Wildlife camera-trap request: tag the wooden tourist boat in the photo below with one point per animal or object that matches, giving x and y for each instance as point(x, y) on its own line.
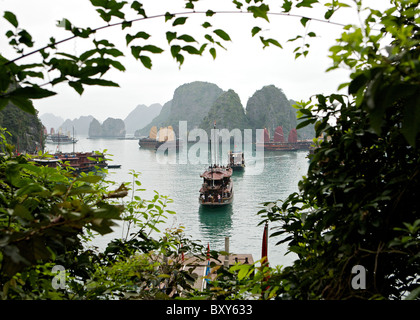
point(217, 187)
point(236, 160)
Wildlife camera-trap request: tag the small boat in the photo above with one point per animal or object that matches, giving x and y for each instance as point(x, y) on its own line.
point(217, 187)
point(236, 160)
point(113, 166)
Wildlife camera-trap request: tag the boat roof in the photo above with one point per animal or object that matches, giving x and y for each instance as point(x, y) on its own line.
point(217, 173)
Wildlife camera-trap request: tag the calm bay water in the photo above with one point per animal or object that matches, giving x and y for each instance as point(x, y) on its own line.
point(181, 182)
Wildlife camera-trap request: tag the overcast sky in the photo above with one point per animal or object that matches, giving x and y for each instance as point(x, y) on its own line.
point(245, 67)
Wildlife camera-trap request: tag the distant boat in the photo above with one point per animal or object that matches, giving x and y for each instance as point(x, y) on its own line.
point(58, 138)
point(217, 187)
point(150, 141)
point(156, 139)
point(278, 143)
point(236, 160)
point(80, 161)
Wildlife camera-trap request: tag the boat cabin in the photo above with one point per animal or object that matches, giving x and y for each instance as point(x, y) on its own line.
point(217, 187)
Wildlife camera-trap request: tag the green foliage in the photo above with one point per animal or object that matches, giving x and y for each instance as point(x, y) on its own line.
point(48, 217)
point(357, 203)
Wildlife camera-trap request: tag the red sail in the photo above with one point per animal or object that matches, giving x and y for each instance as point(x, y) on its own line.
point(266, 135)
point(292, 136)
point(278, 134)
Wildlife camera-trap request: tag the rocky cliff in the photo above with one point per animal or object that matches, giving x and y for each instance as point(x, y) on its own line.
point(192, 102)
point(228, 113)
point(26, 129)
point(80, 125)
point(141, 116)
point(111, 128)
point(269, 108)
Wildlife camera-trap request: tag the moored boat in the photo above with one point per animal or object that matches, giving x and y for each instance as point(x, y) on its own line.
point(80, 161)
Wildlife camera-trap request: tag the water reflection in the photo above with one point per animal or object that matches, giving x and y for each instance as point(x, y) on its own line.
point(215, 223)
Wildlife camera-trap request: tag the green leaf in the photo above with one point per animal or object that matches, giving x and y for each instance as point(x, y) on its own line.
point(287, 5)
point(11, 17)
point(357, 83)
point(99, 3)
point(210, 13)
point(191, 50)
point(141, 35)
point(116, 64)
point(267, 42)
point(255, 30)
point(139, 8)
point(304, 21)
point(328, 14)
point(23, 104)
point(152, 49)
point(260, 11)
point(206, 25)
point(34, 92)
point(209, 38)
point(186, 38)
point(146, 61)
point(238, 4)
point(175, 50)
point(222, 34)
point(126, 24)
point(306, 3)
point(179, 21)
point(99, 82)
point(170, 36)
point(76, 86)
point(135, 51)
point(169, 16)
point(213, 52)
point(25, 38)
